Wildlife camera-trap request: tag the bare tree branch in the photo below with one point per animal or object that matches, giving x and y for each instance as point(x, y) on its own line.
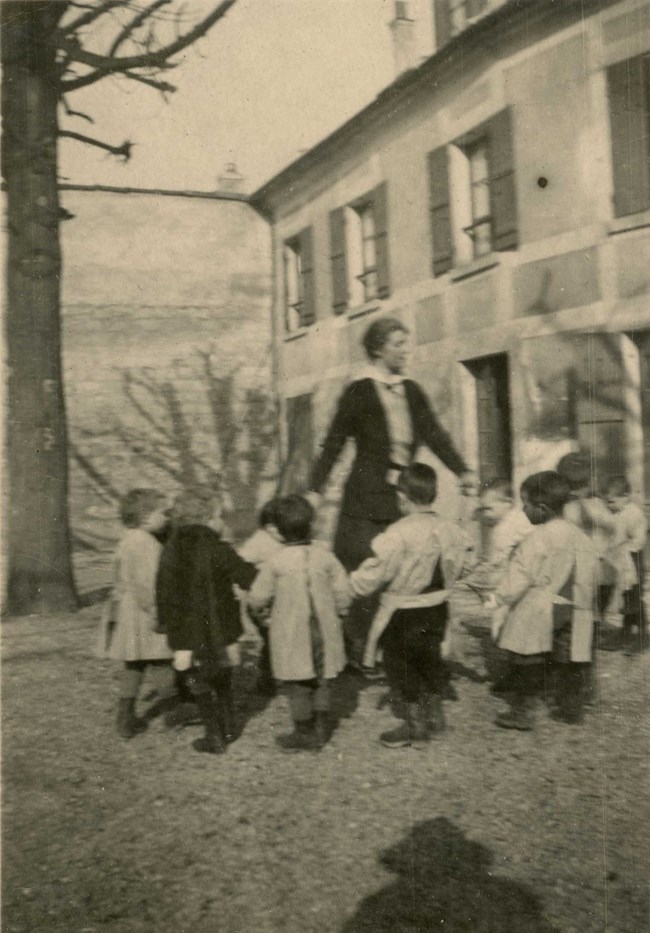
point(123, 151)
point(75, 113)
point(93, 13)
point(163, 86)
point(106, 64)
point(137, 20)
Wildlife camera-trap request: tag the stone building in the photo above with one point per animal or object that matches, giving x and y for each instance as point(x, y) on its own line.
point(495, 197)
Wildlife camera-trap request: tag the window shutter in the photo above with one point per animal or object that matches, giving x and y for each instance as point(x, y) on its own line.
point(308, 311)
point(380, 211)
point(440, 213)
point(442, 22)
point(503, 197)
point(339, 265)
point(629, 113)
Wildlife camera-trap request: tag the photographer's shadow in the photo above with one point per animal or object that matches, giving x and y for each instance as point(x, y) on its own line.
point(444, 883)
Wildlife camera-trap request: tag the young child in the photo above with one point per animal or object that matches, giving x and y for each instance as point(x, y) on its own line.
point(509, 524)
point(415, 562)
point(257, 549)
point(198, 611)
point(547, 590)
point(129, 621)
point(630, 536)
point(307, 589)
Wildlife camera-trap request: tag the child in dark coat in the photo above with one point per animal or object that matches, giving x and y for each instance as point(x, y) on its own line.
point(198, 610)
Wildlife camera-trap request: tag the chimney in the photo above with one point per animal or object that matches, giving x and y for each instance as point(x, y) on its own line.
point(404, 39)
point(230, 179)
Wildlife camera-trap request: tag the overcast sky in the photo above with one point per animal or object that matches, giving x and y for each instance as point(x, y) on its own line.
point(270, 80)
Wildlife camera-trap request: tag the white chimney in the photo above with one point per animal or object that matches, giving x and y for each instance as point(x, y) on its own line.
point(405, 45)
point(230, 179)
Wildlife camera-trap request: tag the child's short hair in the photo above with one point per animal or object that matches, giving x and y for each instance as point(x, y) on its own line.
point(293, 518)
point(547, 490)
point(195, 505)
point(577, 469)
point(137, 504)
point(419, 483)
point(618, 485)
point(267, 512)
point(498, 484)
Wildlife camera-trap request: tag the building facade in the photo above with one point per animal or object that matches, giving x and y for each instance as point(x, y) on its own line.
point(496, 198)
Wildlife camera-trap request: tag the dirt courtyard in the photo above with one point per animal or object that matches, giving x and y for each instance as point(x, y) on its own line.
point(484, 830)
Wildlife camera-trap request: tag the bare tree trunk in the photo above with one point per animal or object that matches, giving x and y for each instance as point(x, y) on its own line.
point(40, 571)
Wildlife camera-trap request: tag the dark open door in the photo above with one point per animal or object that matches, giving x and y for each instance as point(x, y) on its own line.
point(493, 416)
point(300, 444)
point(642, 340)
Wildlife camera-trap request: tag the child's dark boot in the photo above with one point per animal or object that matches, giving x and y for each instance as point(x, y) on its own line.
point(322, 727)
point(212, 742)
point(128, 724)
point(412, 732)
point(519, 715)
point(434, 714)
point(302, 739)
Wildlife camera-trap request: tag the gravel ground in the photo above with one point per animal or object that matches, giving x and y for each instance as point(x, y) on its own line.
point(483, 831)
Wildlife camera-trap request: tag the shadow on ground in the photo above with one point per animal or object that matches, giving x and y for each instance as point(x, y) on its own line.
point(444, 882)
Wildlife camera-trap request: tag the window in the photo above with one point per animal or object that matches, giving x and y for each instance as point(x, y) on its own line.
point(472, 195)
point(299, 304)
point(359, 251)
point(628, 85)
point(362, 253)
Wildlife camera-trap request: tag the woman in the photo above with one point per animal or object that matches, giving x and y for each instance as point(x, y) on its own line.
point(389, 418)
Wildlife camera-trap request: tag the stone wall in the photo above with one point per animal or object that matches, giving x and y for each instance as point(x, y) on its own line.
point(166, 346)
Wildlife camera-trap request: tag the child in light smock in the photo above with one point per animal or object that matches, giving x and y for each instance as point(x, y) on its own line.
point(129, 620)
point(544, 604)
point(630, 536)
point(415, 563)
point(307, 590)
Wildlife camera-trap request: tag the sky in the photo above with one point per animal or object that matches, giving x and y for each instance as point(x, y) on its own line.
point(270, 80)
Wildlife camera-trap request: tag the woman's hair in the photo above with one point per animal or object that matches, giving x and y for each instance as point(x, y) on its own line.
point(547, 491)
point(293, 518)
point(378, 333)
point(195, 505)
point(137, 504)
point(618, 485)
point(419, 483)
point(267, 512)
point(577, 469)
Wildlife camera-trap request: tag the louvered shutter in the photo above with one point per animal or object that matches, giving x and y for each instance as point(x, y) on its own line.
point(440, 212)
point(308, 310)
point(503, 197)
point(339, 265)
point(380, 211)
point(442, 22)
point(629, 114)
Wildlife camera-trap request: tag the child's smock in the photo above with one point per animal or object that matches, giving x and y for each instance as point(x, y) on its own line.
point(404, 559)
point(298, 580)
point(130, 615)
point(550, 557)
